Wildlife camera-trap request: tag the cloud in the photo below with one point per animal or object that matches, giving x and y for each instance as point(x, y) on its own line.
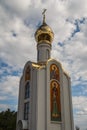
point(9, 89)
point(10, 86)
point(77, 8)
point(80, 111)
point(15, 5)
point(23, 43)
point(77, 101)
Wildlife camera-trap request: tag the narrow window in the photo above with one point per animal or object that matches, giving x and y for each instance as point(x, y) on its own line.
point(26, 110)
point(38, 55)
point(27, 90)
point(48, 55)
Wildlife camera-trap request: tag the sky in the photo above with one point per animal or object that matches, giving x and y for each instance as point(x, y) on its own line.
point(19, 20)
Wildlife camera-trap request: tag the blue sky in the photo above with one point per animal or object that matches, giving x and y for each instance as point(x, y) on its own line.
point(19, 20)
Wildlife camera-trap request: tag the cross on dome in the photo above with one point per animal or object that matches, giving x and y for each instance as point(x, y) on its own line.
point(43, 13)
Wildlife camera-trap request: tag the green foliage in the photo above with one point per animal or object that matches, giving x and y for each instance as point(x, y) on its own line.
point(77, 128)
point(8, 120)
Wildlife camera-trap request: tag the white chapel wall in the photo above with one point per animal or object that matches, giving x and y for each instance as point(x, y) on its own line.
point(41, 99)
point(50, 124)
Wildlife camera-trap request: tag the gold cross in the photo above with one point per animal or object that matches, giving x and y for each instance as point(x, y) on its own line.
point(44, 10)
point(43, 13)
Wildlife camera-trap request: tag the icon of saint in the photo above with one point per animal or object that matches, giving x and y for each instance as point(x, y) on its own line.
point(54, 74)
point(55, 101)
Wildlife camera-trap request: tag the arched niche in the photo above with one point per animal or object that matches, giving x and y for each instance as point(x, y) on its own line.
point(27, 73)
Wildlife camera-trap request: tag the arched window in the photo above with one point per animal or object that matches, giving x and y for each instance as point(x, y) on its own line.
point(27, 74)
point(26, 110)
point(27, 90)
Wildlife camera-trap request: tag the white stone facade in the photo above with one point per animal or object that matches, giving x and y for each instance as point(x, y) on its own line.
point(39, 106)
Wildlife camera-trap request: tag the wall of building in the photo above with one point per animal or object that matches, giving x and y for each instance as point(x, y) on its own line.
point(41, 99)
point(20, 113)
point(43, 51)
point(66, 122)
point(51, 125)
point(33, 100)
point(40, 110)
point(67, 103)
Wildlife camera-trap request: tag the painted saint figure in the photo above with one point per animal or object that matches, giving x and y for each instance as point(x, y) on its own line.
point(54, 72)
point(55, 106)
point(55, 102)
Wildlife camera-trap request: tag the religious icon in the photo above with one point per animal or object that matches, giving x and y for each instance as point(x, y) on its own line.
point(54, 72)
point(55, 102)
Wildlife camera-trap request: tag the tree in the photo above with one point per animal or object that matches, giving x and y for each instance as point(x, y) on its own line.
point(77, 128)
point(8, 120)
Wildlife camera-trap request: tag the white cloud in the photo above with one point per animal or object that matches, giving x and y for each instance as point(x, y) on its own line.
point(77, 8)
point(15, 5)
point(16, 50)
point(80, 116)
point(77, 101)
point(9, 86)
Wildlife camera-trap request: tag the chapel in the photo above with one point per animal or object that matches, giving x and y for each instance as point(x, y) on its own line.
point(45, 101)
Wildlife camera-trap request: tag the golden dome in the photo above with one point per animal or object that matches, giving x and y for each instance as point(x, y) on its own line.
point(44, 33)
